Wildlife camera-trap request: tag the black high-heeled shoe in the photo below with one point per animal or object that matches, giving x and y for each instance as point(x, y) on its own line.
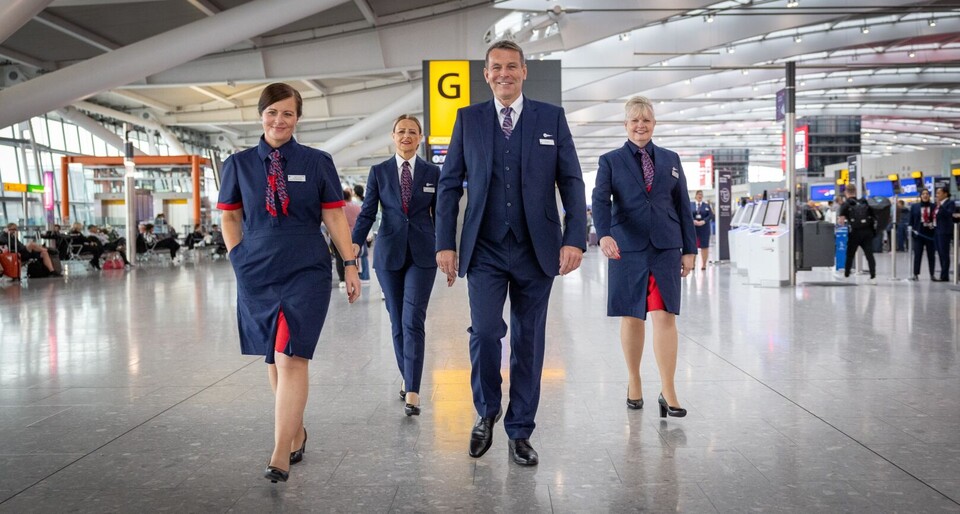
point(666, 410)
point(403, 394)
point(633, 404)
point(411, 409)
point(297, 456)
point(276, 474)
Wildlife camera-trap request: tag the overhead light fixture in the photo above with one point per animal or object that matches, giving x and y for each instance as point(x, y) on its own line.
point(803, 83)
point(865, 29)
point(937, 129)
point(625, 36)
point(912, 54)
point(731, 50)
point(849, 79)
point(745, 72)
point(708, 18)
point(932, 22)
point(797, 38)
point(924, 140)
point(756, 88)
point(686, 81)
point(793, 3)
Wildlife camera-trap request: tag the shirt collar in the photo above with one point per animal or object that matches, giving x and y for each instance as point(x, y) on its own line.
point(400, 161)
point(634, 148)
point(288, 150)
point(517, 106)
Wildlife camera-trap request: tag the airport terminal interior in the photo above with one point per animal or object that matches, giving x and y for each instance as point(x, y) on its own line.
point(122, 385)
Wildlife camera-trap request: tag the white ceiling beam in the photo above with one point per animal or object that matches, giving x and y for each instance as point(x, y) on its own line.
point(94, 127)
point(145, 100)
point(77, 32)
point(145, 120)
point(315, 86)
point(367, 12)
point(204, 6)
point(216, 95)
point(15, 14)
point(160, 52)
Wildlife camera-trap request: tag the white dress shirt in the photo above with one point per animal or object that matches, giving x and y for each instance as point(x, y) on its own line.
point(400, 161)
point(517, 106)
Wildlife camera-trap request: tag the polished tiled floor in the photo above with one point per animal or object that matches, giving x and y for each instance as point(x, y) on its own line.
point(126, 392)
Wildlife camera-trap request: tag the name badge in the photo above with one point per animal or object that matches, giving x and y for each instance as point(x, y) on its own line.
point(547, 142)
point(429, 189)
point(297, 178)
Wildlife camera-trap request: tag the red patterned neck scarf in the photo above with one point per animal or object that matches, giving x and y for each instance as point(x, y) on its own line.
point(276, 186)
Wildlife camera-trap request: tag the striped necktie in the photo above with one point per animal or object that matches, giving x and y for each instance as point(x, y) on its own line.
point(406, 186)
point(507, 121)
point(648, 170)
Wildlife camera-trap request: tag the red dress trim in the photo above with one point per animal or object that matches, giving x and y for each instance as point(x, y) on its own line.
point(283, 333)
point(654, 300)
point(229, 206)
point(333, 205)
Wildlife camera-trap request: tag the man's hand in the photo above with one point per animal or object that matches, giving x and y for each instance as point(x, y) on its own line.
point(686, 264)
point(608, 246)
point(570, 258)
point(447, 262)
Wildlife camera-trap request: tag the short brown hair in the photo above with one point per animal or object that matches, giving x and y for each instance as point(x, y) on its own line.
point(407, 117)
point(504, 44)
point(276, 92)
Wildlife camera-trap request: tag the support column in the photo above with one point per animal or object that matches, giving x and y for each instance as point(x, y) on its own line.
point(64, 190)
point(791, 128)
point(17, 13)
point(144, 58)
point(195, 174)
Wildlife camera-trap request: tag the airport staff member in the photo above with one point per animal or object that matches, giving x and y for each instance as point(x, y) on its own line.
point(921, 225)
point(404, 187)
point(702, 216)
point(647, 233)
point(274, 197)
point(943, 230)
point(516, 153)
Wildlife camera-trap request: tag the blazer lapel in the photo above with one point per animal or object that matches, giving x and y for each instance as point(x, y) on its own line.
point(392, 179)
point(630, 163)
point(528, 117)
point(419, 179)
point(662, 172)
point(488, 123)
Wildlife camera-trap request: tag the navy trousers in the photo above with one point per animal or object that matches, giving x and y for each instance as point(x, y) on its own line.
point(943, 243)
point(921, 243)
point(407, 293)
point(499, 269)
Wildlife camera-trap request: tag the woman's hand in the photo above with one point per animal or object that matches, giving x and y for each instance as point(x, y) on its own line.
point(351, 276)
point(609, 247)
point(686, 264)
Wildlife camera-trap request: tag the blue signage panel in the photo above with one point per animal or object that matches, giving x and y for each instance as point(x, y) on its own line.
point(823, 192)
point(841, 235)
point(908, 187)
point(880, 188)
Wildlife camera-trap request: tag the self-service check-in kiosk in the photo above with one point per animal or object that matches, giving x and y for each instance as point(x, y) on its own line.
point(769, 248)
point(739, 225)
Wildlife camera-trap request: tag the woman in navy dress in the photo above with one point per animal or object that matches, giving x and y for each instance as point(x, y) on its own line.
point(646, 231)
point(274, 198)
point(404, 188)
point(702, 216)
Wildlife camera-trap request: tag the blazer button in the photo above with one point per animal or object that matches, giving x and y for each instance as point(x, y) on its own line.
point(509, 204)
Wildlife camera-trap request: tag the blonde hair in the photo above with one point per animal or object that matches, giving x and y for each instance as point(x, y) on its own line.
point(638, 104)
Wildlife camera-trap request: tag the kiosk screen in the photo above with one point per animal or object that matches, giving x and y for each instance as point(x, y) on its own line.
point(771, 218)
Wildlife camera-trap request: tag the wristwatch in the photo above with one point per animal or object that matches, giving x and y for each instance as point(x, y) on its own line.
point(351, 262)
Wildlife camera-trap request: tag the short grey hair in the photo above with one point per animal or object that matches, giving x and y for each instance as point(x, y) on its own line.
point(638, 103)
point(505, 44)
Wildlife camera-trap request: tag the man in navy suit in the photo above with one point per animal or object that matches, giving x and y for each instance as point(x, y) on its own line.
point(515, 153)
point(921, 225)
point(943, 230)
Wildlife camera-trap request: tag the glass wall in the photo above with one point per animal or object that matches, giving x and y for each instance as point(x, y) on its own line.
point(27, 150)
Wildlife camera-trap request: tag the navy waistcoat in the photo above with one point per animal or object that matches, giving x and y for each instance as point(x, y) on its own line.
point(503, 211)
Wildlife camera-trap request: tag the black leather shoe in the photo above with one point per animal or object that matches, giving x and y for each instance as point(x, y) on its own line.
point(403, 395)
point(411, 409)
point(665, 410)
point(482, 436)
point(275, 474)
point(633, 404)
point(297, 456)
point(522, 453)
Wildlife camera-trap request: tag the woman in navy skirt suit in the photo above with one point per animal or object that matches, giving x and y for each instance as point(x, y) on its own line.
point(641, 210)
point(274, 198)
point(404, 188)
point(702, 215)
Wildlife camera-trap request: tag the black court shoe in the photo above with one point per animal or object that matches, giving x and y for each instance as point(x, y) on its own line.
point(633, 404)
point(665, 410)
point(297, 456)
point(403, 394)
point(276, 474)
point(411, 409)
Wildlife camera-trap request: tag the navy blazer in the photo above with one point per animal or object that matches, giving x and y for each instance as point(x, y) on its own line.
point(549, 164)
point(399, 230)
point(945, 219)
point(916, 218)
point(636, 219)
point(705, 212)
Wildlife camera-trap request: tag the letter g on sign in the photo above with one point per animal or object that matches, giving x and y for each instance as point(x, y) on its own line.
point(454, 89)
